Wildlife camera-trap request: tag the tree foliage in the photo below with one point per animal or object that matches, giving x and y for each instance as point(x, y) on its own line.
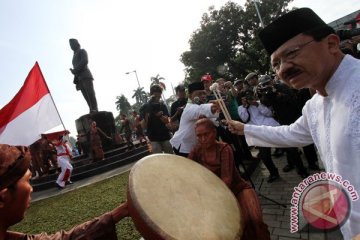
point(136, 107)
point(226, 44)
point(158, 80)
point(140, 95)
point(122, 104)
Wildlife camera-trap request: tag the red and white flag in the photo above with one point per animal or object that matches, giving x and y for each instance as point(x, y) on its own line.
point(30, 113)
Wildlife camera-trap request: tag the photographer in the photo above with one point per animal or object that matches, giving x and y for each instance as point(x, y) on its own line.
point(229, 94)
point(350, 39)
point(155, 117)
point(283, 101)
point(255, 113)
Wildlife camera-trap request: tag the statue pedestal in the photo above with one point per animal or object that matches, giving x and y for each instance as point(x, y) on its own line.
point(104, 120)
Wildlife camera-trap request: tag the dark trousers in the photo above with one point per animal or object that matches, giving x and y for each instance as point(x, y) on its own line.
point(293, 158)
point(265, 156)
point(310, 154)
point(245, 147)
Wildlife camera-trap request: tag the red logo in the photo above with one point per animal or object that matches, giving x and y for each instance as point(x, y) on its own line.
point(325, 206)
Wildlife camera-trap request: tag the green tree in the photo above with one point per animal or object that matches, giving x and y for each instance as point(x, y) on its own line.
point(136, 107)
point(117, 123)
point(158, 80)
point(140, 95)
point(122, 104)
point(226, 44)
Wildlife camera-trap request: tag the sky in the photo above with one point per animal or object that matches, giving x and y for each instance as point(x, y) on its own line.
point(119, 36)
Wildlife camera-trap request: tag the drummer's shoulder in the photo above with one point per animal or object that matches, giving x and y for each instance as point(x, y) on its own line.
point(224, 146)
point(195, 150)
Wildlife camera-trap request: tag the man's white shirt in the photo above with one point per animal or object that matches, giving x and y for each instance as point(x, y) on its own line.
point(333, 124)
point(257, 115)
point(184, 138)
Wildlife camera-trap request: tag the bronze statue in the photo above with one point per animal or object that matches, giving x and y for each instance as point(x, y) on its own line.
point(82, 75)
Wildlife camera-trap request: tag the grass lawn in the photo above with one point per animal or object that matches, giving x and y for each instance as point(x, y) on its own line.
point(69, 209)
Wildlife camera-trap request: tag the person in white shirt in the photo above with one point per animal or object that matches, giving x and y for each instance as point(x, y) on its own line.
point(184, 138)
point(305, 53)
point(255, 113)
point(64, 156)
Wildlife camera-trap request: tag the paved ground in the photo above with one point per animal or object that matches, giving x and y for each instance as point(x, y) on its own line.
point(276, 216)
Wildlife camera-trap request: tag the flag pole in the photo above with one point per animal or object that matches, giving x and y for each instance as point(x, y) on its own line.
point(52, 99)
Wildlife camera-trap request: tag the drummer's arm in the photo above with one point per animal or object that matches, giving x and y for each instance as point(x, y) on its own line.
point(227, 161)
point(120, 212)
point(193, 154)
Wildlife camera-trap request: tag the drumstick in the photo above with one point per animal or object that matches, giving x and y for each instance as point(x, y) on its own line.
point(220, 101)
point(223, 106)
point(214, 88)
point(226, 109)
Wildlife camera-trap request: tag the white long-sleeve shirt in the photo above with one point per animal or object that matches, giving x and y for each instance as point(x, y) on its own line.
point(333, 124)
point(184, 138)
point(259, 115)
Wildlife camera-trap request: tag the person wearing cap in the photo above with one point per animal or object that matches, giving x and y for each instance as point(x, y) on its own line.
point(252, 79)
point(253, 112)
point(15, 197)
point(184, 138)
point(83, 78)
point(305, 53)
point(239, 90)
point(208, 81)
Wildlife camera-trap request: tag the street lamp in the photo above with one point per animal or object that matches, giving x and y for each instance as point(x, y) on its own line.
point(137, 79)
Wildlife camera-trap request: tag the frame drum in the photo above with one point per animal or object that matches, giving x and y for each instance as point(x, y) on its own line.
point(172, 197)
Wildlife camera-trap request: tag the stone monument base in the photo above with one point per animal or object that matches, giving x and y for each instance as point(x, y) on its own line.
point(104, 120)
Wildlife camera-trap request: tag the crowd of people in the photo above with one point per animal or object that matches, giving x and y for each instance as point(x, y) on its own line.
point(312, 99)
point(253, 100)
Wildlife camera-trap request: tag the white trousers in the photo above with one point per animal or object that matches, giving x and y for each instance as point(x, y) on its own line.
point(66, 170)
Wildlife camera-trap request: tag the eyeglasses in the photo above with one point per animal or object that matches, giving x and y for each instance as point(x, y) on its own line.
point(289, 54)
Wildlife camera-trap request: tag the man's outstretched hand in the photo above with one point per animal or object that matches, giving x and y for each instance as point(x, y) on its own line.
point(235, 127)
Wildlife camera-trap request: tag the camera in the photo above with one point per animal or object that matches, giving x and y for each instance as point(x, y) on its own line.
point(267, 94)
point(350, 39)
point(154, 105)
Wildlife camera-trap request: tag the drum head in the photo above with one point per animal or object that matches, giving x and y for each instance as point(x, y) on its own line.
point(172, 197)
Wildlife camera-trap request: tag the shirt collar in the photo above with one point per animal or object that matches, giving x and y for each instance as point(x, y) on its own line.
point(338, 76)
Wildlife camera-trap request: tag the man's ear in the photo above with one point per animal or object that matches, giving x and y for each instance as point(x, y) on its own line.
point(333, 42)
point(4, 197)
